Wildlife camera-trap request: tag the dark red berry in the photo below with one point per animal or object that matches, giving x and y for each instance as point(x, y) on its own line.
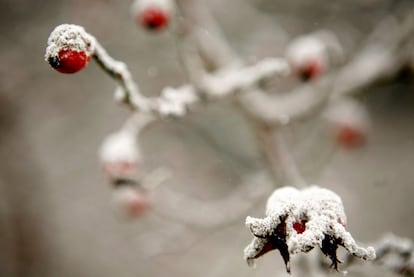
point(312, 70)
point(69, 61)
point(299, 226)
point(350, 136)
point(153, 18)
point(138, 204)
point(120, 168)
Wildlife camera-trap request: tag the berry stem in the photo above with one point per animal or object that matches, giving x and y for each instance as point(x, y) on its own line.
point(129, 92)
point(277, 156)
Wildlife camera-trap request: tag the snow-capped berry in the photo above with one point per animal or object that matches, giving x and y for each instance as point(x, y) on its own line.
point(313, 54)
point(130, 202)
point(120, 168)
point(153, 14)
point(349, 136)
point(349, 123)
point(69, 48)
point(69, 61)
point(308, 57)
point(311, 70)
point(120, 155)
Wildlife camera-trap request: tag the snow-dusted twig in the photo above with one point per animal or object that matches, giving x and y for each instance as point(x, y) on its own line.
point(393, 253)
point(172, 102)
point(281, 109)
point(221, 58)
point(396, 253)
point(207, 36)
point(198, 213)
point(379, 59)
point(128, 92)
point(283, 168)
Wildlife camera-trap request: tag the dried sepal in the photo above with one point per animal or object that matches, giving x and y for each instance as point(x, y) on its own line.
point(300, 220)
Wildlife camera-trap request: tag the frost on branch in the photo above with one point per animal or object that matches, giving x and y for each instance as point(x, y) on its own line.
point(300, 220)
point(396, 253)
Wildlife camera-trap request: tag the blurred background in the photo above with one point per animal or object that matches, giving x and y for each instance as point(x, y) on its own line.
point(56, 218)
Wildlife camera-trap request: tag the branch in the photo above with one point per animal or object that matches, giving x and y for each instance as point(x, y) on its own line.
point(393, 253)
point(209, 214)
point(378, 60)
point(172, 101)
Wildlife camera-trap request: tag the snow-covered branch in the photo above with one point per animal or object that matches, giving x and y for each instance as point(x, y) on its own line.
point(394, 253)
point(172, 101)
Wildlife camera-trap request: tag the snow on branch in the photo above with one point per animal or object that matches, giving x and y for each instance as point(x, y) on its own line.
point(393, 253)
point(379, 59)
point(396, 253)
point(172, 102)
point(198, 213)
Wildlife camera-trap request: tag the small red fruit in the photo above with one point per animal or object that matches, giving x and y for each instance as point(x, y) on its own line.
point(153, 18)
point(138, 205)
point(350, 136)
point(312, 70)
point(300, 226)
point(120, 168)
point(131, 202)
point(69, 61)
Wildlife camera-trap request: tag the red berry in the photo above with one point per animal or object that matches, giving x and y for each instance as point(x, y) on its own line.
point(69, 61)
point(312, 70)
point(350, 136)
point(120, 168)
point(138, 205)
point(153, 18)
point(300, 226)
point(131, 202)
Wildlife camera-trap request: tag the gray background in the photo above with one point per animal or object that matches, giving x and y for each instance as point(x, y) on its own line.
point(55, 212)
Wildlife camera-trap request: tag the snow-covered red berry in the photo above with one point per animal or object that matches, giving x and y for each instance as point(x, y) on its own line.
point(153, 18)
point(310, 56)
point(69, 61)
point(69, 48)
point(153, 15)
point(130, 202)
point(312, 69)
point(348, 123)
point(350, 136)
point(120, 155)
